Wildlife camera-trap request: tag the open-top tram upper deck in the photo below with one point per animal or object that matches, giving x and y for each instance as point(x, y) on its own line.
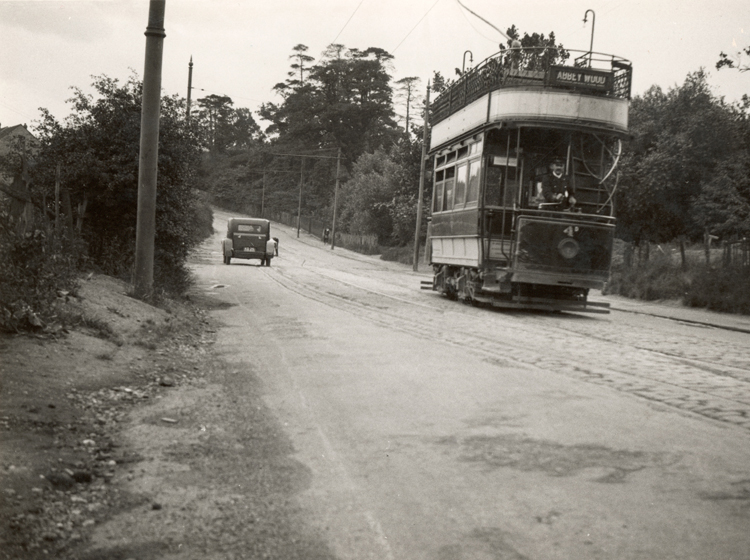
point(535, 85)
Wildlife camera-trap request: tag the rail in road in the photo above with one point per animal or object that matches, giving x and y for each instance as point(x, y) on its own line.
point(683, 371)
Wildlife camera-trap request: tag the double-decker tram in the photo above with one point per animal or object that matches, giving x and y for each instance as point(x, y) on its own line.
point(525, 150)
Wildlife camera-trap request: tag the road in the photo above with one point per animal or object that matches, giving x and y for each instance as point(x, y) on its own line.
point(436, 430)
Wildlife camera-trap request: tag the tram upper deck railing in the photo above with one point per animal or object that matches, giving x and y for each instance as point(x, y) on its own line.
point(590, 72)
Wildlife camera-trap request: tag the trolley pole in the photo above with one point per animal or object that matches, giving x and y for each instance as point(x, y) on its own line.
point(421, 178)
point(149, 151)
point(299, 206)
point(335, 200)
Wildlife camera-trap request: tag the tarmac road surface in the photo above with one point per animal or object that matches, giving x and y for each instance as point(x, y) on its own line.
point(436, 430)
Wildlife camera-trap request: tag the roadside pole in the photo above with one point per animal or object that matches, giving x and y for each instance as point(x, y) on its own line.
point(421, 179)
point(335, 200)
point(190, 89)
point(143, 278)
point(263, 197)
point(299, 207)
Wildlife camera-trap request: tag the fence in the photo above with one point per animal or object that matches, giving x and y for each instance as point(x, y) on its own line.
point(737, 253)
point(367, 244)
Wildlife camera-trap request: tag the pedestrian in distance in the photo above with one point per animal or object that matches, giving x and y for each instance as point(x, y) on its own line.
point(276, 248)
point(270, 252)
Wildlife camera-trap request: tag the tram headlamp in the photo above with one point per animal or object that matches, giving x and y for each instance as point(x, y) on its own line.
point(568, 248)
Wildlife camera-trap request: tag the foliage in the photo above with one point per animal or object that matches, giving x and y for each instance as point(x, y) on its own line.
point(403, 255)
point(686, 167)
point(97, 149)
point(35, 268)
point(369, 198)
point(381, 196)
point(346, 101)
point(222, 127)
point(726, 62)
point(723, 289)
point(407, 93)
point(655, 279)
point(536, 52)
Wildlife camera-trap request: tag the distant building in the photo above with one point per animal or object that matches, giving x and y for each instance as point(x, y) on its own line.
point(14, 186)
point(8, 135)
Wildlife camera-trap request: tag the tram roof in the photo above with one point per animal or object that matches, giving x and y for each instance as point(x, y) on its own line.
point(591, 74)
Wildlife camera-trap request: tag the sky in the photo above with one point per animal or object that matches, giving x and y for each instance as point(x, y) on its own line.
point(242, 48)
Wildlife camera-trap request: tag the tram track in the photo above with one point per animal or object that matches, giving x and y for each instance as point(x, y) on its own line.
point(713, 390)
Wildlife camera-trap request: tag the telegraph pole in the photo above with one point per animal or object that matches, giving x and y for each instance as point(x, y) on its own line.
point(299, 207)
point(421, 179)
point(335, 200)
point(190, 88)
point(143, 281)
point(263, 196)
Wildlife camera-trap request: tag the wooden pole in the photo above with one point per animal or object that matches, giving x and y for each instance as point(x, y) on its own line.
point(335, 200)
point(263, 197)
point(57, 198)
point(143, 277)
point(299, 206)
point(421, 179)
point(190, 88)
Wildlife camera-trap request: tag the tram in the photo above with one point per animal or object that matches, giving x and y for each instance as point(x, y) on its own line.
point(505, 136)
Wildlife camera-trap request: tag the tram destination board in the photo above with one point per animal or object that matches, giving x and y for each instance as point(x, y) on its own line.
point(581, 78)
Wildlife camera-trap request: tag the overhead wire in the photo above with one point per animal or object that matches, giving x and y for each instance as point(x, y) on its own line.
point(347, 21)
point(231, 97)
point(415, 26)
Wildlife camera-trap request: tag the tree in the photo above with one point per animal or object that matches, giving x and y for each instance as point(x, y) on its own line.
point(346, 101)
point(406, 92)
point(299, 66)
point(537, 52)
point(223, 127)
point(726, 62)
point(686, 167)
point(97, 148)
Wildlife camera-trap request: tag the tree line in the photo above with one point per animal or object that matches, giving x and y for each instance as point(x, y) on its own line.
point(685, 170)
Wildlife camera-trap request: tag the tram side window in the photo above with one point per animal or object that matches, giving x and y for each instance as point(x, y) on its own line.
point(460, 194)
point(450, 178)
point(472, 189)
point(493, 189)
point(438, 198)
point(501, 187)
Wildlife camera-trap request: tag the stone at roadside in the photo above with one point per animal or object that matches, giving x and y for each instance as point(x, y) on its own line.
point(60, 480)
point(82, 476)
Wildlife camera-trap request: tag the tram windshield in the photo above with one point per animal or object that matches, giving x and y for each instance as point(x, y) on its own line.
point(517, 160)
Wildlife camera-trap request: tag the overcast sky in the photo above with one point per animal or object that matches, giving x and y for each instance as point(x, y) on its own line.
point(241, 48)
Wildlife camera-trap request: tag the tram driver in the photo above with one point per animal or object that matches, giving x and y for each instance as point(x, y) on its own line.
point(555, 187)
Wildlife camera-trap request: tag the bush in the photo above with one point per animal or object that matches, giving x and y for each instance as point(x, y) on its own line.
point(34, 269)
point(656, 279)
point(404, 255)
point(723, 289)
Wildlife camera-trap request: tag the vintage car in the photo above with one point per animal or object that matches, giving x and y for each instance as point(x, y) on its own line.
point(247, 238)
